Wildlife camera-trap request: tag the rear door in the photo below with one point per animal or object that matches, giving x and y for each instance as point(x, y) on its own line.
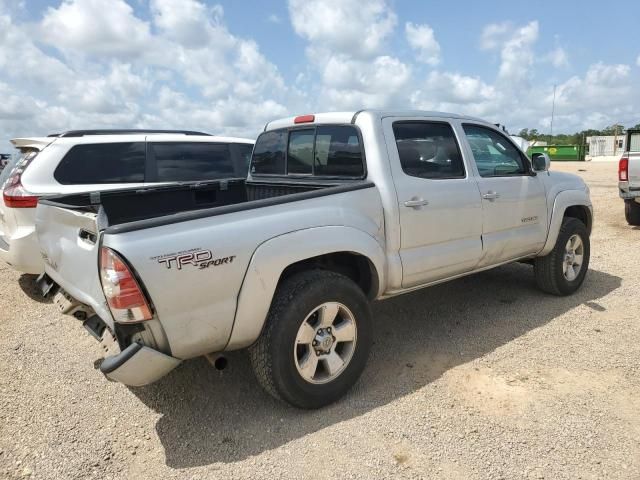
point(514, 207)
point(439, 202)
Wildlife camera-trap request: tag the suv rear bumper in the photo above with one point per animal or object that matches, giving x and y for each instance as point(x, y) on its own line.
point(21, 251)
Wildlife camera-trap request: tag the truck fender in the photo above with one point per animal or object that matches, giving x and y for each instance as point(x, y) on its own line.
point(564, 200)
point(272, 257)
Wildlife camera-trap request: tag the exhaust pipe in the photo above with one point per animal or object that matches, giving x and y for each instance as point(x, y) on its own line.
point(218, 360)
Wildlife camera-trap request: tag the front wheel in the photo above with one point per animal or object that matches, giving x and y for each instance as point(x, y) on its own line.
point(562, 271)
point(632, 212)
point(316, 339)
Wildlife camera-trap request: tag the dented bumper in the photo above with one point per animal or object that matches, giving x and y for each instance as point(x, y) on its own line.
point(138, 365)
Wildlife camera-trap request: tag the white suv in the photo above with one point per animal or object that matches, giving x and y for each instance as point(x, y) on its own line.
point(89, 160)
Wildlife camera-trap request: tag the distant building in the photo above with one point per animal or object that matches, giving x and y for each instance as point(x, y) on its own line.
point(606, 148)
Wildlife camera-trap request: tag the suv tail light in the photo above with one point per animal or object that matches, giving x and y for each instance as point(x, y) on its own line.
point(14, 193)
point(126, 299)
point(623, 168)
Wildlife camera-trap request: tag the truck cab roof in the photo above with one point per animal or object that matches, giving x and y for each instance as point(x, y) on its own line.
point(350, 117)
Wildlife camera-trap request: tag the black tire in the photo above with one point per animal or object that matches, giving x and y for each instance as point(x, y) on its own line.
point(632, 212)
point(272, 356)
point(549, 269)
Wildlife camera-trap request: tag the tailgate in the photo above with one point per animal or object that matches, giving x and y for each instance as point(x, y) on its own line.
point(69, 245)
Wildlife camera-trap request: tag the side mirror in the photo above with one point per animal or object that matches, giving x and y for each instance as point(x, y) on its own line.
point(540, 162)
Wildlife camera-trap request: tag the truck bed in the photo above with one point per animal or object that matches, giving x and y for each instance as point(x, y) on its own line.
point(176, 218)
point(137, 204)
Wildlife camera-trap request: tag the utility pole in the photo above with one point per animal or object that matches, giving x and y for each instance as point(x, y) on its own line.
point(553, 107)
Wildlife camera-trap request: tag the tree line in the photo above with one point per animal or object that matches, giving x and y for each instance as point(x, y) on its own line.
point(577, 138)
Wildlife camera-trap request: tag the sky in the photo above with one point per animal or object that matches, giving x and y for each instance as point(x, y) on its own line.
point(228, 67)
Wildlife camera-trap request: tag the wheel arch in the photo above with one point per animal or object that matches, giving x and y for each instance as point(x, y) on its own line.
point(570, 203)
point(341, 249)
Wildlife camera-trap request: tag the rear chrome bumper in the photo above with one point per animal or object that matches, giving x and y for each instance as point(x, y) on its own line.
point(138, 365)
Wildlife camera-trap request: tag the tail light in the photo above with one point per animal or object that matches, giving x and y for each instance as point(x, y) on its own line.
point(14, 193)
point(623, 168)
point(126, 299)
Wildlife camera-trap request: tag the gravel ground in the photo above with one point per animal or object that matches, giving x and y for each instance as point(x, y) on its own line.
point(483, 377)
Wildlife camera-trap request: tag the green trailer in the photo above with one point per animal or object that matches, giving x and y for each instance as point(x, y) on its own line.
point(560, 152)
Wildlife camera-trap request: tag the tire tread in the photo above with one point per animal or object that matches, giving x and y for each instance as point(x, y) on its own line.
point(545, 267)
point(260, 353)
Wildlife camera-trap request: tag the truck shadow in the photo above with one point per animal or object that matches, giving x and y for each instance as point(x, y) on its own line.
point(210, 416)
point(27, 283)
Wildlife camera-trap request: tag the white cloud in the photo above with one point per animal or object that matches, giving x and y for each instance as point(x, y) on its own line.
point(638, 61)
point(457, 88)
point(558, 57)
point(350, 84)
point(107, 67)
point(516, 49)
point(422, 39)
point(96, 27)
point(493, 35)
point(346, 27)
point(180, 66)
point(274, 18)
point(348, 51)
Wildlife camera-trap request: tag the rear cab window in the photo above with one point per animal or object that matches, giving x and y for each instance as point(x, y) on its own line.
point(330, 151)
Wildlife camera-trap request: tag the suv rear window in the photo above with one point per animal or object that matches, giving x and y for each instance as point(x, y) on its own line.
point(325, 150)
point(269, 152)
point(102, 163)
point(191, 161)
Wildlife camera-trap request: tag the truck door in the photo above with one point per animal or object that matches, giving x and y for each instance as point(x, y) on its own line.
point(439, 202)
point(514, 207)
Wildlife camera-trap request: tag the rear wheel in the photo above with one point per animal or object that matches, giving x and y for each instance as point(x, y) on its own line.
point(632, 212)
point(316, 340)
point(562, 271)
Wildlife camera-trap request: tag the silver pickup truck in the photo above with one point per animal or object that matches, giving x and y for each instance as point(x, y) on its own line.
point(629, 178)
point(339, 209)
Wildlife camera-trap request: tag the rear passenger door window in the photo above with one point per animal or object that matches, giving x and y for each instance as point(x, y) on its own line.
point(494, 154)
point(102, 163)
point(192, 161)
point(428, 150)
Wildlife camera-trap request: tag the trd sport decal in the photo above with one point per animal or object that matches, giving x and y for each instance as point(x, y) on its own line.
point(196, 257)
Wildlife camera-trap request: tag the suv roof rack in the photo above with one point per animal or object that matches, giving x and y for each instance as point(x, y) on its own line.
point(83, 133)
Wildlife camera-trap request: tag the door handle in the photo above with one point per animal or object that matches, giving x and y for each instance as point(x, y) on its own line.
point(490, 195)
point(416, 202)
